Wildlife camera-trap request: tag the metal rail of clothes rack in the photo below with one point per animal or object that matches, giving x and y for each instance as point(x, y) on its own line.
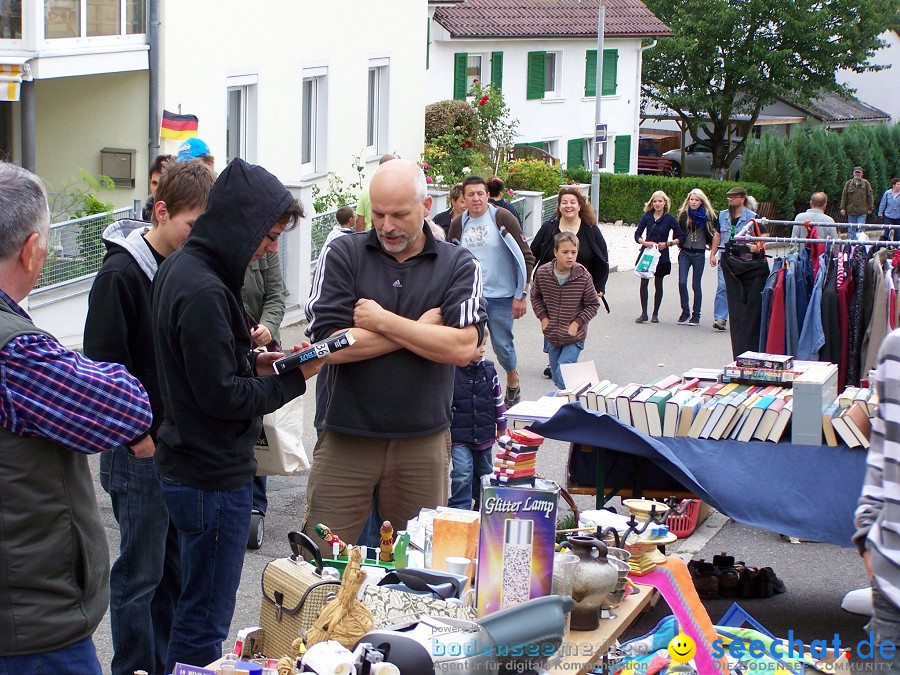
point(741, 236)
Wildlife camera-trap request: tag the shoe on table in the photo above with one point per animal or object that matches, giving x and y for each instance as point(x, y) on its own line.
point(683, 319)
point(695, 320)
point(654, 319)
point(641, 319)
point(513, 396)
point(719, 324)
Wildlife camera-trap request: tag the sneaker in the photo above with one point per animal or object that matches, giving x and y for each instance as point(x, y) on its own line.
point(641, 319)
point(654, 319)
point(719, 324)
point(513, 396)
point(695, 321)
point(683, 319)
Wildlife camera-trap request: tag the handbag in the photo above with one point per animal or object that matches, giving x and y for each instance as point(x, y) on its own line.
point(647, 261)
point(293, 595)
point(279, 450)
point(390, 607)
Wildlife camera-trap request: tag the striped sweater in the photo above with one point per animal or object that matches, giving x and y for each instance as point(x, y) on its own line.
point(878, 514)
point(576, 300)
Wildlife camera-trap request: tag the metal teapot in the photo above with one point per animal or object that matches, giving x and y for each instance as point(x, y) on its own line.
point(595, 578)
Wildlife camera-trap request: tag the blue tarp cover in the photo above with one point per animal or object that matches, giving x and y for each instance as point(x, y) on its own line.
point(803, 491)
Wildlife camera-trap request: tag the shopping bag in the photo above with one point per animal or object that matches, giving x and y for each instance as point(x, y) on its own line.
point(279, 450)
point(647, 262)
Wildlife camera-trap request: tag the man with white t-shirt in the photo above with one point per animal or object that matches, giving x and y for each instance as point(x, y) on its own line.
point(495, 238)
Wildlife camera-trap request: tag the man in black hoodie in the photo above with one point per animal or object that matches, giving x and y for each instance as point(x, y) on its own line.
point(145, 580)
point(215, 390)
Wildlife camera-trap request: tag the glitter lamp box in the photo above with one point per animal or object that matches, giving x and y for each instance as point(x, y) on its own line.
point(515, 544)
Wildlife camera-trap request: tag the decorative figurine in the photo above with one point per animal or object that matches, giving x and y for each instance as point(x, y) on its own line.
point(386, 553)
point(401, 552)
point(331, 538)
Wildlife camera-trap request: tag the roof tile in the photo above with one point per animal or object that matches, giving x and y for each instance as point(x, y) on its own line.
point(548, 18)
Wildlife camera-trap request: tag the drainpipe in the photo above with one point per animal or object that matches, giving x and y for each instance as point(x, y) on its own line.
point(29, 126)
point(153, 105)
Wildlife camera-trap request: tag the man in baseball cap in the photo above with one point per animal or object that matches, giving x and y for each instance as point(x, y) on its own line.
point(195, 148)
point(857, 200)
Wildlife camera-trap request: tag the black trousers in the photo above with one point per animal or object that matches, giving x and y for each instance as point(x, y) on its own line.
point(744, 282)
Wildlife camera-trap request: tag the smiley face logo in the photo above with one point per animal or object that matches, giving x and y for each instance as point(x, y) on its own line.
point(682, 648)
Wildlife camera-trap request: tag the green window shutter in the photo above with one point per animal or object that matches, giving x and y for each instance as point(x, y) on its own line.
point(535, 88)
point(610, 70)
point(460, 66)
point(590, 72)
point(497, 70)
point(575, 153)
point(622, 161)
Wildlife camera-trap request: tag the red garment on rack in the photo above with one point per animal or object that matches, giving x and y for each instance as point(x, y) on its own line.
point(815, 249)
point(845, 291)
point(775, 338)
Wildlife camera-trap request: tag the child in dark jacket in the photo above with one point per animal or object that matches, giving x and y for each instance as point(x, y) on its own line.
point(478, 420)
point(564, 299)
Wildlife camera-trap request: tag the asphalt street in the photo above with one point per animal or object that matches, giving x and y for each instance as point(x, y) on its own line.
point(816, 575)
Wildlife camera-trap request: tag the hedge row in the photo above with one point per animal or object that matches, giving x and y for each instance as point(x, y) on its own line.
point(622, 197)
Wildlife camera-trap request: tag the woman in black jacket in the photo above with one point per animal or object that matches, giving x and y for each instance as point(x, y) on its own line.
point(574, 214)
point(697, 220)
point(653, 231)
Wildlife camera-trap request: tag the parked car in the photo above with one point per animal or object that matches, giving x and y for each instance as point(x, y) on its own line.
point(698, 161)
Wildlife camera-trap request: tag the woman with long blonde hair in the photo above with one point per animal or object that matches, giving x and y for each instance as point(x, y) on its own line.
point(696, 219)
point(653, 231)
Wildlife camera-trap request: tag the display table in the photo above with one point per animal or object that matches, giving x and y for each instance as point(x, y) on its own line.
point(584, 650)
point(803, 491)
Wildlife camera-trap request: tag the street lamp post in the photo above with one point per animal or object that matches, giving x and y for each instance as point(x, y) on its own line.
point(600, 145)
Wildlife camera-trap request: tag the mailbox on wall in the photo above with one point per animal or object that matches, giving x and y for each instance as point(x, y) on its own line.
point(118, 164)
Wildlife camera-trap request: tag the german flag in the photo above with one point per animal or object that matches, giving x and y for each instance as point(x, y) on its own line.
point(178, 127)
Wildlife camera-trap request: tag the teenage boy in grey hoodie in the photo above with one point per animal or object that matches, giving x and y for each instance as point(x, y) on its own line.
point(145, 580)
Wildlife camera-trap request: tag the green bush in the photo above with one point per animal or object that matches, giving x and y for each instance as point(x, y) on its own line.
point(533, 174)
point(450, 117)
point(622, 196)
point(576, 174)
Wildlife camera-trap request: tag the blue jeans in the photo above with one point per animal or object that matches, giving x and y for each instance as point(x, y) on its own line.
point(560, 354)
point(686, 261)
point(77, 659)
point(213, 526)
point(858, 219)
point(500, 323)
point(885, 624)
point(720, 308)
point(145, 579)
point(260, 500)
point(465, 474)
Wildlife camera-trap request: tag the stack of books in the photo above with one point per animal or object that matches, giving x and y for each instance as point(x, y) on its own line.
point(516, 459)
point(848, 418)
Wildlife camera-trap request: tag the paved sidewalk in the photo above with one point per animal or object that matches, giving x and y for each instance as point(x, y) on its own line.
point(623, 249)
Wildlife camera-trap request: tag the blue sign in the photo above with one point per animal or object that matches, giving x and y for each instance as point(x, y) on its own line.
point(600, 136)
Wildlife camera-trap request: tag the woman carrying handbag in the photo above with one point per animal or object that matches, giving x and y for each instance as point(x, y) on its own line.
point(653, 231)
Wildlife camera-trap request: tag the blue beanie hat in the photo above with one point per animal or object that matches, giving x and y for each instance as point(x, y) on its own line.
point(192, 148)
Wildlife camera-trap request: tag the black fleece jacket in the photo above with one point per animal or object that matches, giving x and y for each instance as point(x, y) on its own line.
point(213, 400)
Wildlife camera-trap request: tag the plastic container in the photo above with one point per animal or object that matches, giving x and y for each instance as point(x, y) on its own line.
point(684, 525)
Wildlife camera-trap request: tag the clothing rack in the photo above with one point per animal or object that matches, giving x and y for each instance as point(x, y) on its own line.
point(769, 221)
point(803, 240)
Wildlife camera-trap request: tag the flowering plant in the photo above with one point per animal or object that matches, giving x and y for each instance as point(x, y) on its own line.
point(496, 125)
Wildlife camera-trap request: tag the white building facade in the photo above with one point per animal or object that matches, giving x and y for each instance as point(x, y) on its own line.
point(547, 71)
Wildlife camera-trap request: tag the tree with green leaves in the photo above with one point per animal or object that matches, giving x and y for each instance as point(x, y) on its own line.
point(733, 57)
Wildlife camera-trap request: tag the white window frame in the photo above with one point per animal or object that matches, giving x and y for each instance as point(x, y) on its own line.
point(556, 90)
point(470, 79)
point(551, 146)
point(317, 80)
point(82, 36)
point(246, 86)
point(377, 110)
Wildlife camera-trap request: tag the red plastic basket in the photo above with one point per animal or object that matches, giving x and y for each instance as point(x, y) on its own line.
point(684, 525)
